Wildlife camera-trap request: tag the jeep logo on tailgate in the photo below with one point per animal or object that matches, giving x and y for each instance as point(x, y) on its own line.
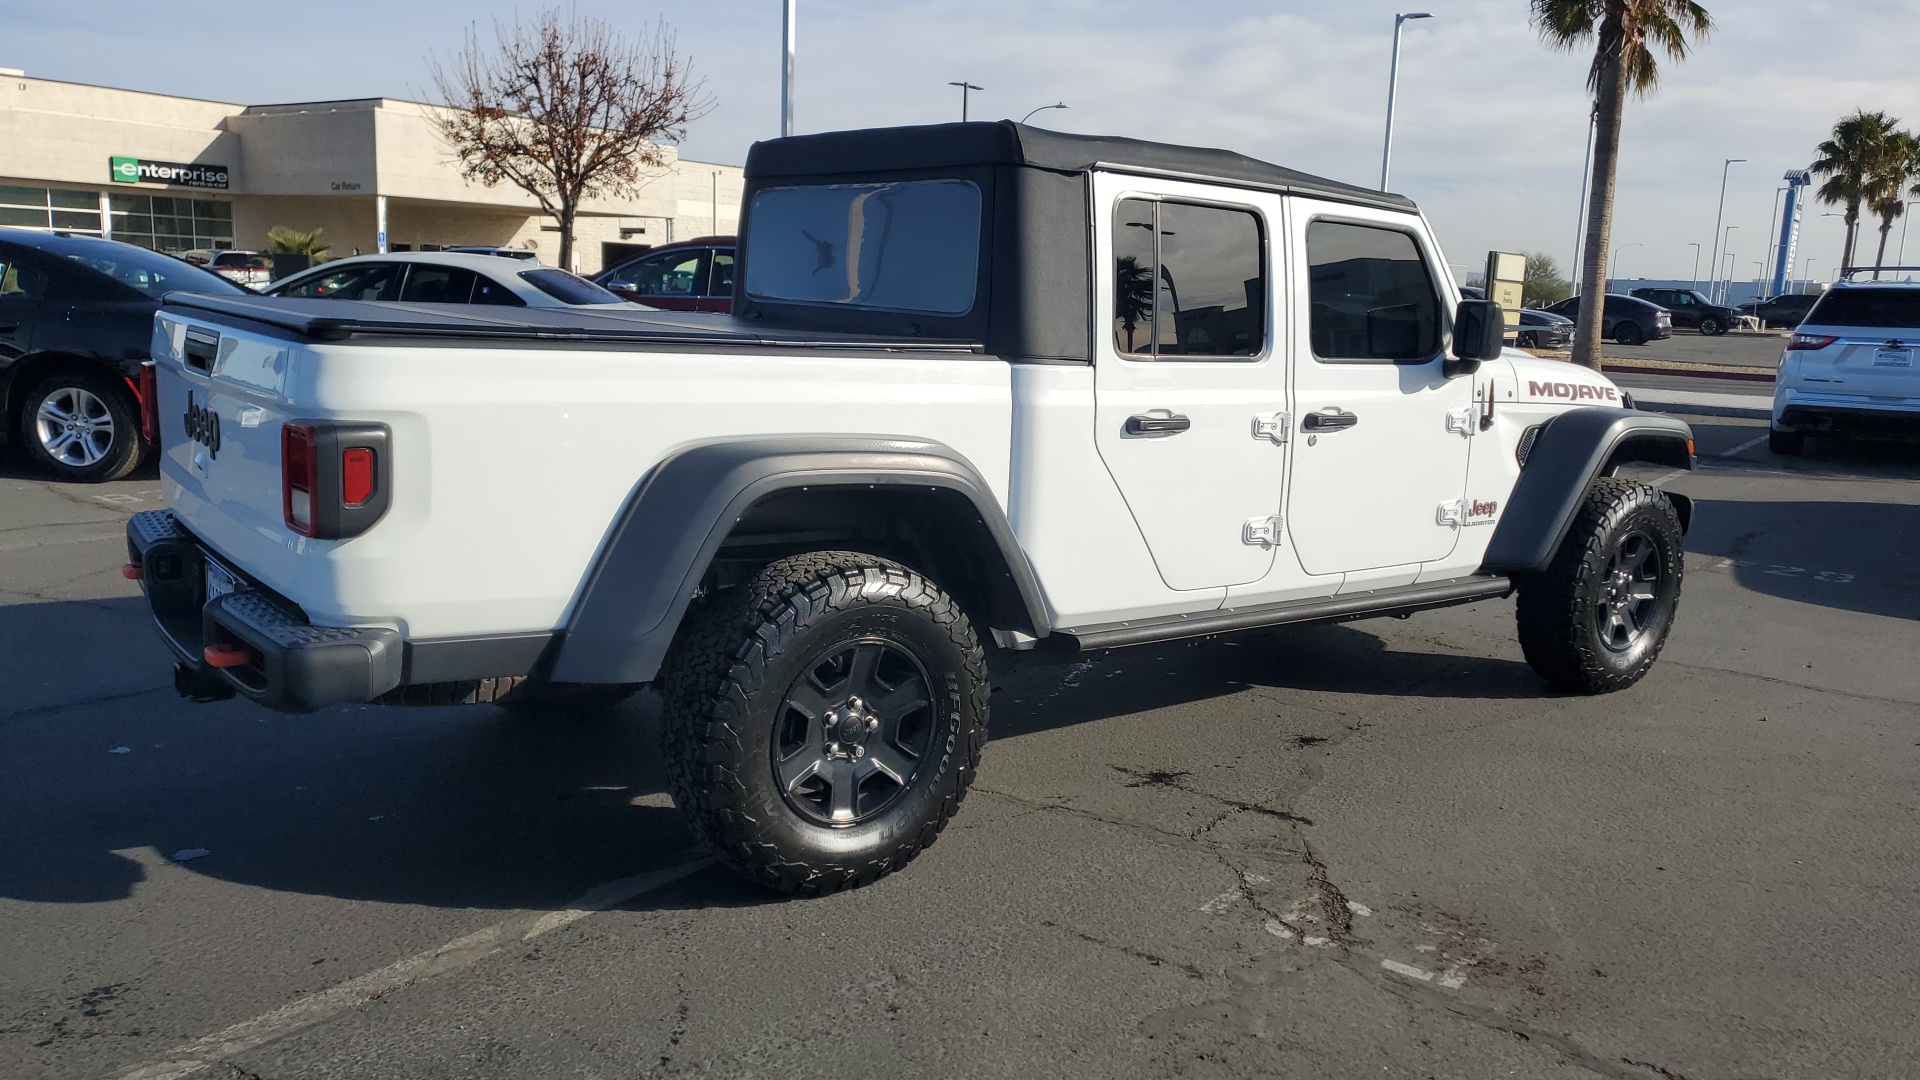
point(203, 426)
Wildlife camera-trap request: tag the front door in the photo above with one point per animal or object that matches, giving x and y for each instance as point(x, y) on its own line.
point(1188, 372)
point(1381, 433)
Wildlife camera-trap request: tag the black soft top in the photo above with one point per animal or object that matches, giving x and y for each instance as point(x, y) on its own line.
point(1003, 142)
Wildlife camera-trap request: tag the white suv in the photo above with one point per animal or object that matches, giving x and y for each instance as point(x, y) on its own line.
point(248, 268)
point(1849, 368)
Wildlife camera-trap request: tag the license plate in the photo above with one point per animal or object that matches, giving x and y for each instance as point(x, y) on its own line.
point(219, 581)
point(1893, 358)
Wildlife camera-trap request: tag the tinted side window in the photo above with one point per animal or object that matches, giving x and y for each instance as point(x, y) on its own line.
point(20, 281)
point(672, 273)
point(376, 281)
point(722, 284)
point(1188, 280)
point(489, 291)
point(437, 285)
point(1371, 294)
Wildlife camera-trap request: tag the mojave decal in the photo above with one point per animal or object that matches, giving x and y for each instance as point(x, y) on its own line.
point(1571, 391)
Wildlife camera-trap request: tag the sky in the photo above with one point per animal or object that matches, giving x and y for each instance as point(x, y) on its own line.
point(1490, 131)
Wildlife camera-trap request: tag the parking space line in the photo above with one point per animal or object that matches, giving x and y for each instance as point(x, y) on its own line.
point(1748, 445)
point(209, 1050)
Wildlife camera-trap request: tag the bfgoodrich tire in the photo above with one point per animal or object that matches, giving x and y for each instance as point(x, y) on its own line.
point(824, 720)
point(1596, 619)
point(82, 425)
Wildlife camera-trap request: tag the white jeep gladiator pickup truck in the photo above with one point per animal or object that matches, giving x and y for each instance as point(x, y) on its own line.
point(987, 390)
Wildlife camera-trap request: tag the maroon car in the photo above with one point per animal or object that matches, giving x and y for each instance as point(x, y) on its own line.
point(691, 275)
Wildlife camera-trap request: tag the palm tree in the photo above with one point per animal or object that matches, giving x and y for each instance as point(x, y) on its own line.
point(1898, 165)
point(1132, 295)
point(1847, 160)
point(285, 241)
point(1625, 34)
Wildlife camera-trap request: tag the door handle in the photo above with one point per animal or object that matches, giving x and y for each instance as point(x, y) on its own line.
point(1330, 420)
point(1150, 424)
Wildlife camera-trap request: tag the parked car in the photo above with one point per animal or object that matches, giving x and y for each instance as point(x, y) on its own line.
point(76, 326)
point(522, 254)
point(1785, 310)
point(816, 525)
point(1628, 320)
point(693, 275)
point(1690, 309)
point(248, 268)
point(444, 277)
point(1849, 368)
point(1544, 330)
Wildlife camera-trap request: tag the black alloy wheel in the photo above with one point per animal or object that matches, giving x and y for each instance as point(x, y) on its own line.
point(1628, 332)
point(824, 719)
point(1596, 619)
point(1713, 325)
point(853, 732)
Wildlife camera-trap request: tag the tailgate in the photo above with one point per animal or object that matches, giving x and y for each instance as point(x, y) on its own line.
point(222, 400)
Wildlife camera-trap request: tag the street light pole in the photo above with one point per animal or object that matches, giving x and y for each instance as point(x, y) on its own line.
point(1696, 266)
point(964, 88)
point(786, 68)
point(1773, 231)
point(1042, 108)
point(1580, 224)
point(1393, 79)
point(1614, 257)
point(1901, 259)
point(1722, 212)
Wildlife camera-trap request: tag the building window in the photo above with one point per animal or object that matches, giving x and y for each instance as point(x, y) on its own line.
point(172, 225)
point(50, 208)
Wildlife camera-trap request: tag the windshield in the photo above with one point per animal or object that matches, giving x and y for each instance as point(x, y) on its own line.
point(900, 247)
point(1892, 308)
point(149, 271)
point(566, 288)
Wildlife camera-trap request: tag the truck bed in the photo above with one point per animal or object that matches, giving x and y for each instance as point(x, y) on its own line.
point(466, 324)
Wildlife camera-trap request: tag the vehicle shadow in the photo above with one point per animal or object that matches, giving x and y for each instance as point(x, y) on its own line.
point(1844, 555)
point(472, 807)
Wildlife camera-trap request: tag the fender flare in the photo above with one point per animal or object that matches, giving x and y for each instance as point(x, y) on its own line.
point(666, 537)
point(1573, 450)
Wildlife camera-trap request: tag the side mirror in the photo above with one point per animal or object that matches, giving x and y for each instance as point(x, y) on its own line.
point(1479, 333)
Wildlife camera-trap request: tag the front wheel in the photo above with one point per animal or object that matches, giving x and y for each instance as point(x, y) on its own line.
point(824, 720)
point(1596, 619)
point(1713, 326)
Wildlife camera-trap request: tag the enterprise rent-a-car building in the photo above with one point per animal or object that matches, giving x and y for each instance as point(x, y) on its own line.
point(177, 174)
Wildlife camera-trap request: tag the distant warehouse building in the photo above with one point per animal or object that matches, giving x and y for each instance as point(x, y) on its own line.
point(177, 174)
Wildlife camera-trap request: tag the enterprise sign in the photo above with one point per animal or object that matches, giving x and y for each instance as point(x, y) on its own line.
point(126, 170)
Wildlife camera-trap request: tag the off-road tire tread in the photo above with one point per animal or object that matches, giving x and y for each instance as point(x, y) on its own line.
point(1550, 611)
point(720, 654)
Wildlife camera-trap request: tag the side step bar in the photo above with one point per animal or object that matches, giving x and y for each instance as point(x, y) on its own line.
point(1402, 600)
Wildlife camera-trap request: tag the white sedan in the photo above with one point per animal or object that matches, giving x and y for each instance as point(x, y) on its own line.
point(445, 277)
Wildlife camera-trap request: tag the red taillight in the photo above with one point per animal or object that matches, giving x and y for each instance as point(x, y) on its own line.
point(1809, 341)
point(299, 476)
point(356, 476)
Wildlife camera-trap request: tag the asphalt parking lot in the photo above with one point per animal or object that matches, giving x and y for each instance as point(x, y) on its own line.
point(1372, 849)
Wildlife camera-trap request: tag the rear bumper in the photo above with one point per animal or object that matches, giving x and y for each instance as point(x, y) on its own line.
point(1825, 414)
point(290, 664)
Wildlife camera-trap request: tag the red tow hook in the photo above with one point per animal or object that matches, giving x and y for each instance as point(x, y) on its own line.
point(226, 656)
point(133, 571)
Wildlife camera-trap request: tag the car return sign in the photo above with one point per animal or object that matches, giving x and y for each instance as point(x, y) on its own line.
point(127, 170)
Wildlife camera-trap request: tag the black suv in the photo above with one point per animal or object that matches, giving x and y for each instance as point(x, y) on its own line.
point(1691, 309)
point(76, 325)
point(1786, 310)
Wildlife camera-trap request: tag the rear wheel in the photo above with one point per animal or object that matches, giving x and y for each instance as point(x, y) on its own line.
point(1713, 325)
point(1786, 443)
point(1596, 619)
point(1627, 332)
point(824, 720)
point(83, 425)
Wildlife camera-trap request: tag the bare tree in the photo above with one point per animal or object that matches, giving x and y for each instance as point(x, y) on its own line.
point(566, 109)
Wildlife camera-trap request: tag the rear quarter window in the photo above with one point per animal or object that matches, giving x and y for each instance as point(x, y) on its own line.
point(567, 288)
point(1897, 309)
point(911, 246)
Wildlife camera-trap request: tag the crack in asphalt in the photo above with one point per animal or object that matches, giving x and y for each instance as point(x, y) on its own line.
point(38, 711)
point(1777, 681)
point(1151, 959)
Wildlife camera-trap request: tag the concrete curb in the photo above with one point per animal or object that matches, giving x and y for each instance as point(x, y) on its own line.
point(1680, 409)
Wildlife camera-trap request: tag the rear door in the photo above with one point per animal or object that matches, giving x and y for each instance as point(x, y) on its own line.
point(1877, 348)
point(23, 301)
point(428, 283)
point(1381, 433)
point(1186, 372)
